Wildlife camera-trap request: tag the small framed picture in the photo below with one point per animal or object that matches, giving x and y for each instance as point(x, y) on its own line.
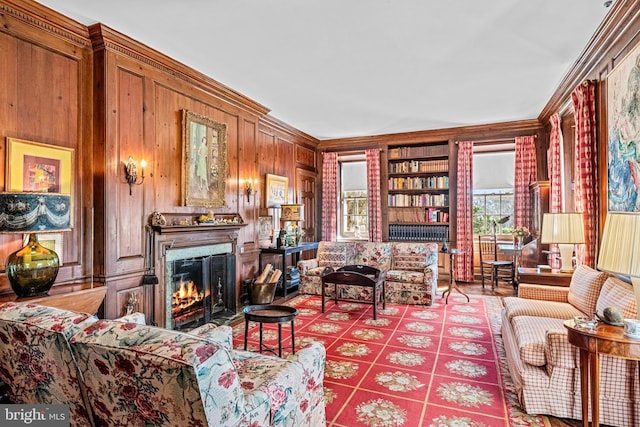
point(277, 189)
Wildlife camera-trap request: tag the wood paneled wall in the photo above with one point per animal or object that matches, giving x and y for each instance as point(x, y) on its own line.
point(110, 97)
point(46, 96)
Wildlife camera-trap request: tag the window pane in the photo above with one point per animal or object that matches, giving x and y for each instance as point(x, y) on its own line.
point(493, 204)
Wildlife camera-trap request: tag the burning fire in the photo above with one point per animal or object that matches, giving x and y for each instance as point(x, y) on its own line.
point(186, 295)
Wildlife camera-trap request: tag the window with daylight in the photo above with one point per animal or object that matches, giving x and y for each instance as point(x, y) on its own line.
point(353, 218)
point(493, 189)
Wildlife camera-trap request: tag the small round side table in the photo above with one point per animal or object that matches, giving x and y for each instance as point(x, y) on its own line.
point(270, 314)
point(452, 271)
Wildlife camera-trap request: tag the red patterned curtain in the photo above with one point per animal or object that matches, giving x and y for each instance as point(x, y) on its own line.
point(586, 194)
point(329, 196)
point(525, 174)
point(373, 195)
point(464, 214)
point(555, 178)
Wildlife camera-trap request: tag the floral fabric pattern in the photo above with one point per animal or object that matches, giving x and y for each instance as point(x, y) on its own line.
point(36, 361)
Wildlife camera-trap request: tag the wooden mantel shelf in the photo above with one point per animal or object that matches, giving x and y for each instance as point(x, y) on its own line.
point(168, 229)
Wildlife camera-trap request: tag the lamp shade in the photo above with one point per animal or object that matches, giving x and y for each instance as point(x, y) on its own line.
point(292, 212)
point(620, 247)
point(33, 269)
point(562, 228)
point(34, 212)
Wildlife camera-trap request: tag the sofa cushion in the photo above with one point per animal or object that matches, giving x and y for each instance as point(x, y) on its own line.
point(619, 294)
point(374, 254)
point(332, 254)
point(515, 306)
point(405, 276)
point(412, 257)
point(585, 287)
point(531, 336)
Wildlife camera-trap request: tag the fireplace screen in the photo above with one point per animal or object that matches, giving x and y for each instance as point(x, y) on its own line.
point(202, 289)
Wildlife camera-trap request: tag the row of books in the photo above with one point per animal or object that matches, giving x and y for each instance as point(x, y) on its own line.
point(419, 151)
point(418, 183)
point(419, 200)
point(419, 232)
point(412, 166)
point(437, 215)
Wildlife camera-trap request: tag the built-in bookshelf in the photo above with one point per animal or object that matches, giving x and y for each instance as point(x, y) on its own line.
point(418, 192)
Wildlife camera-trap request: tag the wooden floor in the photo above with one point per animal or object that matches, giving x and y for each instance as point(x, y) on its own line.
point(502, 290)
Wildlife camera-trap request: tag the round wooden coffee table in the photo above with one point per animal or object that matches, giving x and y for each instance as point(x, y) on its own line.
point(270, 314)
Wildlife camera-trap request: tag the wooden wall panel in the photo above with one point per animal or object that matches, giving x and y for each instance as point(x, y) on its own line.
point(129, 139)
point(45, 96)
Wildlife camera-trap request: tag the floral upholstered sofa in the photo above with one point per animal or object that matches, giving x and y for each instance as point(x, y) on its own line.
point(412, 269)
point(545, 367)
point(116, 372)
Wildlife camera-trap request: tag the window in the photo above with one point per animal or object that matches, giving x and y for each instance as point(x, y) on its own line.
point(493, 205)
point(353, 218)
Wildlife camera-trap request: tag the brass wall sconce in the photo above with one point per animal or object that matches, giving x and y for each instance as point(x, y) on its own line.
point(131, 172)
point(249, 188)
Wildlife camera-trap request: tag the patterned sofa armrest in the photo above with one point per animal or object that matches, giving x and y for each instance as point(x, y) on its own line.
point(543, 292)
point(305, 265)
point(222, 335)
point(559, 352)
point(137, 318)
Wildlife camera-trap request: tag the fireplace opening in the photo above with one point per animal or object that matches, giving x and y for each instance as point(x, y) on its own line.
point(202, 289)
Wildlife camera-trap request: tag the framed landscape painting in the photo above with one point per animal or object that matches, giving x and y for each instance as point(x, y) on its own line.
point(623, 147)
point(276, 191)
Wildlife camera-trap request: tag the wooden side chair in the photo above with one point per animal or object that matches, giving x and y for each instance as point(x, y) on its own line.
point(491, 267)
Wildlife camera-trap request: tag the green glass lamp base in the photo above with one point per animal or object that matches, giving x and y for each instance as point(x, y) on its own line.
point(33, 269)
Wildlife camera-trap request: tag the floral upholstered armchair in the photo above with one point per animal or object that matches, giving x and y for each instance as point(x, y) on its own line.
point(36, 362)
point(148, 376)
point(118, 372)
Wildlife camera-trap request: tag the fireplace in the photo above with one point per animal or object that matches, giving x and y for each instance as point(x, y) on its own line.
point(200, 284)
point(201, 290)
point(196, 269)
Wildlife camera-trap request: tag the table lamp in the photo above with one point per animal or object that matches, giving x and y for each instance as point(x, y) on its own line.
point(33, 269)
point(566, 230)
point(620, 248)
point(292, 213)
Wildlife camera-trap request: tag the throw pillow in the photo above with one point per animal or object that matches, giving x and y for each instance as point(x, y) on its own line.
point(619, 294)
point(585, 287)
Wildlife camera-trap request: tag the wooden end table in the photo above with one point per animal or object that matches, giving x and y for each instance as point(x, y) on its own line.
point(452, 280)
point(603, 339)
point(553, 277)
point(270, 314)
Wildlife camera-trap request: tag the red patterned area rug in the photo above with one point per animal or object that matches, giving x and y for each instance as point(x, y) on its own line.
point(414, 366)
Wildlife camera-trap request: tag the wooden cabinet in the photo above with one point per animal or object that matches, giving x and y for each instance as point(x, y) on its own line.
point(418, 196)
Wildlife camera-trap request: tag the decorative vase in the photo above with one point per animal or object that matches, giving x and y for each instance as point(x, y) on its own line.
point(517, 241)
point(32, 269)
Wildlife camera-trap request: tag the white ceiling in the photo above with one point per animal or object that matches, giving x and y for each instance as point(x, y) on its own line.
point(341, 68)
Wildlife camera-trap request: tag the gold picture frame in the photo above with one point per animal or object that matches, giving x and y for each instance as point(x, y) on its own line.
point(204, 161)
point(277, 188)
point(37, 167)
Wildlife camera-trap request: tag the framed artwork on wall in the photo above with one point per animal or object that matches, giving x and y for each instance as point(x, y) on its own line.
point(623, 147)
point(43, 168)
point(204, 161)
point(276, 191)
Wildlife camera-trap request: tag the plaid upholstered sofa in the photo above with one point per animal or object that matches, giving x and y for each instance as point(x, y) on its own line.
point(116, 372)
point(545, 368)
point(412, 269)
